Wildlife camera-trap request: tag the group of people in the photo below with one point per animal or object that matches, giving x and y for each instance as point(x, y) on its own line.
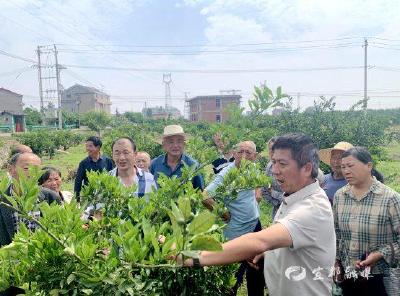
point(343, 226)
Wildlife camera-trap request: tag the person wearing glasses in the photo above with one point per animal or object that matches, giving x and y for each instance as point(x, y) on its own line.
point(124, 155)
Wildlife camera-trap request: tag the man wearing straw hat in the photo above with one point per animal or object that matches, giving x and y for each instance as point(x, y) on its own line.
point(173, 141)
point(333, 157)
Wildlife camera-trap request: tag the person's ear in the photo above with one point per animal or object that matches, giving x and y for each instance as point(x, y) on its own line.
point(256, 156)
point(308, 168)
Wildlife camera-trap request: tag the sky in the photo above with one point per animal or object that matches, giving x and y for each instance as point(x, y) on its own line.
point(123, 47)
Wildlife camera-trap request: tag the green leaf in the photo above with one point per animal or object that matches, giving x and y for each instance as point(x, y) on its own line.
point(177, 213)
point(201, 223)
point(191, 254)
point(184, 207)
point(70, 278)
point(70, 250)
point(206, 243)
point(87, 291)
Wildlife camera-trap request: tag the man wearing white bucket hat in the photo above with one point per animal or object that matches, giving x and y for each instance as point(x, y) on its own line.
point(173, 141)
point(333, 157)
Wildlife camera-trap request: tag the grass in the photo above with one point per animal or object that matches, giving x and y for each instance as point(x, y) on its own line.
point(67, 162)
point(391, 168)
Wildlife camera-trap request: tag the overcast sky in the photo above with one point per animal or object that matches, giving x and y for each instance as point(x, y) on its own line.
point(310, 47)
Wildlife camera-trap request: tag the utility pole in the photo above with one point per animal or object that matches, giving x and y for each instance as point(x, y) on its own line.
point(298, 101)
point(50, 88)
point(58, 88)
point(186, 108)
point(167, 80)
point(365, 73)
point(40, 80)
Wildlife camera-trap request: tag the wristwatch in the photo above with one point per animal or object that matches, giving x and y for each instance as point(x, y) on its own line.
point(196, 262)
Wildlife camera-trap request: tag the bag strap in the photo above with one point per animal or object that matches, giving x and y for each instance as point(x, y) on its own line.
point(142, 185)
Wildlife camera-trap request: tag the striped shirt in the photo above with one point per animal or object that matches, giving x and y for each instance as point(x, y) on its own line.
point(369, 224)
point(143, 179)
point(145, 184)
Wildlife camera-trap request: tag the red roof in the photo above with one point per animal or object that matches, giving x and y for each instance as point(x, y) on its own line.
point(9, 91)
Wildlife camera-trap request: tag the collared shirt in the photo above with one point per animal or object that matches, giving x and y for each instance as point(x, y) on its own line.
point(332, 185)
point(369, 224)
point(103, 163)
point(221, 163)
point(307, 215)
point(160, 165)
point(243, 209)
point(143, 179)
point(274, 194)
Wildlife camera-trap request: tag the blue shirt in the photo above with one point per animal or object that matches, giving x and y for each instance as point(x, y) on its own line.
point(332, 185)
point(243, 210)
point(160, 165)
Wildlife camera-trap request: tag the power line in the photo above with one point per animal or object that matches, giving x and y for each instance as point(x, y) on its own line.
point(215, 71)
point(384, 39)
point(79, 78)
point(224, 51)
point(61, 29)
point(16, 71)
point(385, 68)
point(386, 47)
point(2, 52)
point(215, 45)
point(27, 28)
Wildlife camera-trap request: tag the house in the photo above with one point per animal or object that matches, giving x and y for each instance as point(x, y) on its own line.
point(211, 108)
point(161, 113)
point(81, 99)
point(12, 118)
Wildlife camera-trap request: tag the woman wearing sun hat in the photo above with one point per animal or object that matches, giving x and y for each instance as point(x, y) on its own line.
point(333, 157)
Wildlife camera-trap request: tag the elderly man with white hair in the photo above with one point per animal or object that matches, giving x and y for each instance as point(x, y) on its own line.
point(243, 215)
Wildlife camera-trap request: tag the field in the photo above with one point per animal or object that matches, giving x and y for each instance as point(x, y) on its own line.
point(67, 161)
point(391, 168)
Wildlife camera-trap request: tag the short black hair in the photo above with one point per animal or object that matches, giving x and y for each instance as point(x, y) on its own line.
point(359, 153)
point(46, 175)
point(14, 159)
point(272, 140)
point(95, 140)
point(303, 150)
point(363, 155)
point(126, 138)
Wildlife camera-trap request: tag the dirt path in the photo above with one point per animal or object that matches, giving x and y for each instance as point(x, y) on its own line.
point(5, 151)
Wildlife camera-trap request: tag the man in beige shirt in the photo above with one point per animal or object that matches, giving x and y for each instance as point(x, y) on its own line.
point(299, 247)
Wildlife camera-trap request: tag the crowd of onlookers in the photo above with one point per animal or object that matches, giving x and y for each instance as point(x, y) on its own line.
point(337, 230)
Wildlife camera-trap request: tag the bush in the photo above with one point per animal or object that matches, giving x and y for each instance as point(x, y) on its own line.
point(121, 253)
point(46, 142)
